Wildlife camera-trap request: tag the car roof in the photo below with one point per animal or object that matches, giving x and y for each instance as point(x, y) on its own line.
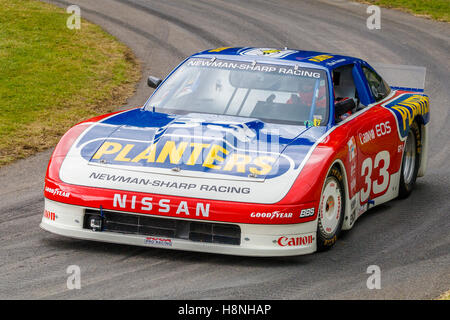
point(321, 60)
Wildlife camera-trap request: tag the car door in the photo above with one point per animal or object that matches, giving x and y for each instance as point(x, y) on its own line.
point(377, 144)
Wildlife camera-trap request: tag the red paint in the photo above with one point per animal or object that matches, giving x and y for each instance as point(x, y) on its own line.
point(304, 194)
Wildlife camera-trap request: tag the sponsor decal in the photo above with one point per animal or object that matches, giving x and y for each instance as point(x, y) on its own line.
point(353, 184)
point(158, 241)
point(362, 209)
point(406, 107)
point(49, 215)
point(248, 150)
point(295, 241)
point(194, 156)
point(383, 128)
point(271, 215)
point(134, 202)
point(219, 49)
point(320, 58)
point(379, 130)
point(241, 65)
point(351, 148)
point(307, 213)
point(313, 123)
point(332, 63)
point(367, 136)
point(168, 184)
point(352, 157)
point(171, 152)
point(57, 192)
point(317, 119)
point(352, 217)
point(353, 204)
point(268, 52)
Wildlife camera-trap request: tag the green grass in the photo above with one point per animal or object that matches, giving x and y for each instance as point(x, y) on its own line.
point(445, 296)
point(52, 77)
point(435, 9)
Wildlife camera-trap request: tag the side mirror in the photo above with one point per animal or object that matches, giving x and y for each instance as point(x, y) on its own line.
point(343, 106)
point(153, 82)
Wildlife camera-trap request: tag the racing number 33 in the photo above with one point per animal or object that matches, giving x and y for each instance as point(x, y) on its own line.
point(366, 172)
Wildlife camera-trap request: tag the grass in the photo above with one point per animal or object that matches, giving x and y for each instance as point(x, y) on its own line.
point(435, 9)
point(52, 77)
point(445, 296)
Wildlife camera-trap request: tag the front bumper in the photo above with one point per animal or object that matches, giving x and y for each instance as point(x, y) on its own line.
point(256, 239)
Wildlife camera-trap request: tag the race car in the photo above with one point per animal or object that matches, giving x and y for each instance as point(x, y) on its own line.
point(243, 151)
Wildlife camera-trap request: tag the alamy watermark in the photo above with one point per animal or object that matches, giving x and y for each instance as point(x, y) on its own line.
point(74, 20)
point(74, 279)
point(374, 280)
point(373, 22)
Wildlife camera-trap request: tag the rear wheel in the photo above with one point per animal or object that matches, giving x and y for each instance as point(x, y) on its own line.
point(410, 161)
point(331, 210)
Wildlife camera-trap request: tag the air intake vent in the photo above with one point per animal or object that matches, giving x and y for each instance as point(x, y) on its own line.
point(172, 228)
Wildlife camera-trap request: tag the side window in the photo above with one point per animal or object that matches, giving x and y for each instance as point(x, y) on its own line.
point(344, 84)
point(346, 100)
point(377, 85)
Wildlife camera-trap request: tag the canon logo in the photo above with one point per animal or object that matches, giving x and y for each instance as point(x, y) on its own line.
point(295, 241)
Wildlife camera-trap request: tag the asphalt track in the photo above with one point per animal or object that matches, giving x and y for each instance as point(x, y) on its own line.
point(409, 240)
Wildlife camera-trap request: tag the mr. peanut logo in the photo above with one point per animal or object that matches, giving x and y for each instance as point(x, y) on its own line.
point(268, 52)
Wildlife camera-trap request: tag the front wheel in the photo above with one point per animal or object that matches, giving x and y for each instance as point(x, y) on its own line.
point(410, 161)
point(331, 210)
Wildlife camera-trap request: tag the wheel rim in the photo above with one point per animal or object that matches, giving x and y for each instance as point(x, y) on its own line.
point(330, 207)
point(409, 157)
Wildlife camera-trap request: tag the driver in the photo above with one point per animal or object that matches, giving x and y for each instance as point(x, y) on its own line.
point(306, 92)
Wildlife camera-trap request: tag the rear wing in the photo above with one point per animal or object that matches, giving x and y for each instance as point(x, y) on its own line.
point(402, 77)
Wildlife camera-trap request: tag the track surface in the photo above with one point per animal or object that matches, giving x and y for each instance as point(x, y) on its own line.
point(409, 240)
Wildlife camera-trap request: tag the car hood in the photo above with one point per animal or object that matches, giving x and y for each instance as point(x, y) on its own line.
point(138, 144)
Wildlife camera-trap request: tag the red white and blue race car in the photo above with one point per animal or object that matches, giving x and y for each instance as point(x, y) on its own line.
point(245, 151)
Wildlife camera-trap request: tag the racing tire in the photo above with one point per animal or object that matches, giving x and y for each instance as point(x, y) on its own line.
point(410, 161)
point(331, 210)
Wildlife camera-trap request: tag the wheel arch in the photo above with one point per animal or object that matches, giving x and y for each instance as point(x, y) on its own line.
point(423, 127)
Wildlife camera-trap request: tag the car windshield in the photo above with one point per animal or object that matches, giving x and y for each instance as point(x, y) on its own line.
point(272, 93)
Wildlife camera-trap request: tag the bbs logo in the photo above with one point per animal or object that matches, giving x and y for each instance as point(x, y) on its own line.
point(307, 213)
